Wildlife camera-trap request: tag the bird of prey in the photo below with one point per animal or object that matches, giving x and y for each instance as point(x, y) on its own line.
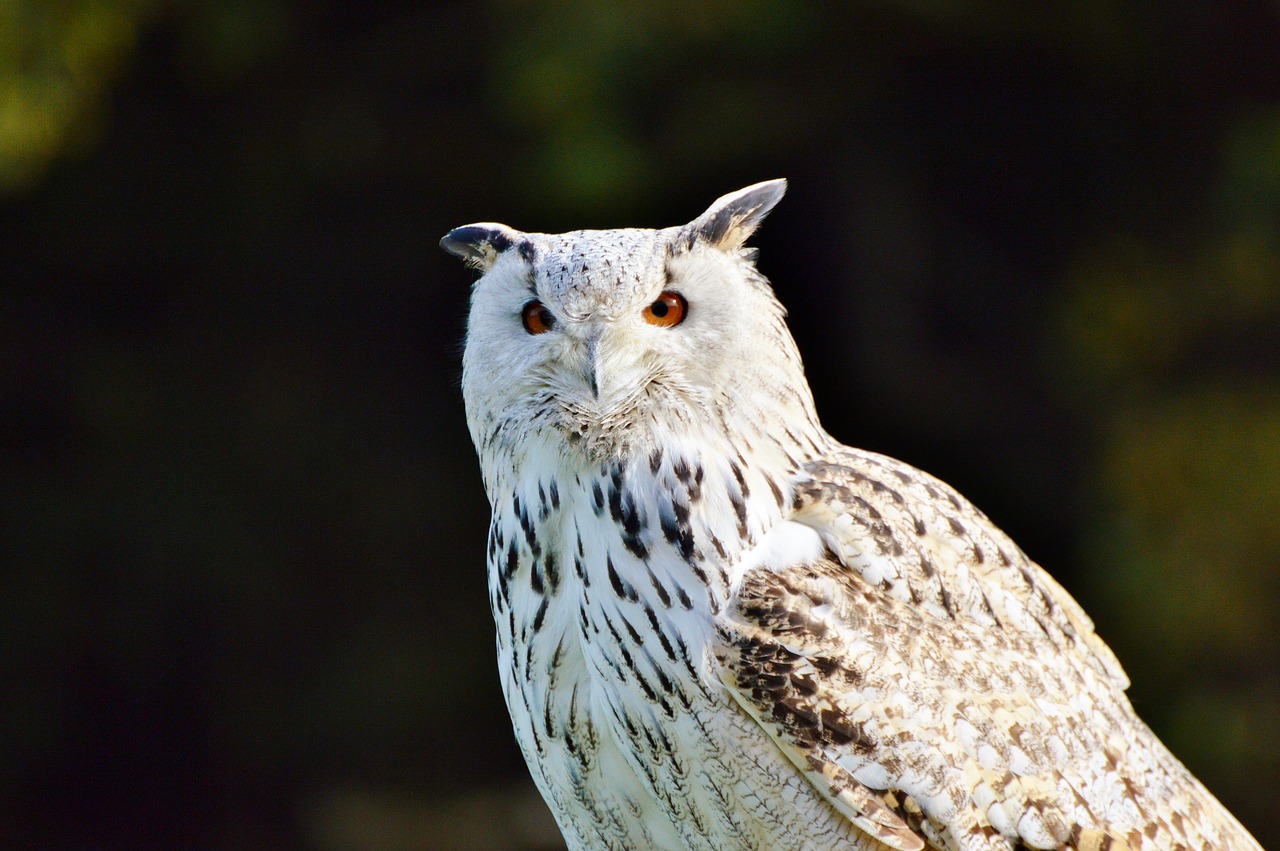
point(720, 628)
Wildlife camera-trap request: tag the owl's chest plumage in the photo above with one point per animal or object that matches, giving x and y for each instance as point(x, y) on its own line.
point(605, 588)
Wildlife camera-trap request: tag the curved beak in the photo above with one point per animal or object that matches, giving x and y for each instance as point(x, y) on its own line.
point(591, 367)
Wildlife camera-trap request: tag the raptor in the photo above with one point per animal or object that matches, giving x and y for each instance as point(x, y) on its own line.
point(720, 628)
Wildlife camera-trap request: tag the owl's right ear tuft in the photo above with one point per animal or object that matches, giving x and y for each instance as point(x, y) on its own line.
point(479, 245)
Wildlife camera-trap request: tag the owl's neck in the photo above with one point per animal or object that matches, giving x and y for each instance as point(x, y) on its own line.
point(684, 510)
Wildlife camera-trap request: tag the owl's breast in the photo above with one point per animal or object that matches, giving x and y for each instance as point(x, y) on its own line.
point(605, 591)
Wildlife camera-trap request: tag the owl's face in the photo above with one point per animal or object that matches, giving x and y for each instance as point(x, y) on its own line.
point(606, 343)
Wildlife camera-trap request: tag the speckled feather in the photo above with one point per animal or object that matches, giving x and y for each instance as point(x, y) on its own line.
point(718, 628)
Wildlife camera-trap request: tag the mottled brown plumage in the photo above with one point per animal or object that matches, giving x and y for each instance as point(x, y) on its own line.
point(925, 654)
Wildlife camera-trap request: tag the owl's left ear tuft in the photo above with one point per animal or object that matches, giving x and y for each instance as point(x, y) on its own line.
point(734, 217)
point(480, 245)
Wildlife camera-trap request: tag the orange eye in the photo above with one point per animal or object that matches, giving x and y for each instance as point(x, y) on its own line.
point(668, 311)
point(536, 318)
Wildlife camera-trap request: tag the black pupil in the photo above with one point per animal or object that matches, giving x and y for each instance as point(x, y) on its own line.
point(659, 308)
point(537, 318)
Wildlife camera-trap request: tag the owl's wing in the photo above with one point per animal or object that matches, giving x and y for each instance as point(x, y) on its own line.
point(917, 540)
point(930, 680)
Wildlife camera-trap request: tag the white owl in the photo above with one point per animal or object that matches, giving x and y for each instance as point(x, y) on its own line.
point(719, 628)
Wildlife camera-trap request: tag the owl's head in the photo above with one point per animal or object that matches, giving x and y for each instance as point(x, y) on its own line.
point(603, 344)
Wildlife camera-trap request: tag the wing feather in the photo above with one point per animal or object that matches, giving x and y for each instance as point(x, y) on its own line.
point(932, 682)
point(851, 798)
point(917, 539)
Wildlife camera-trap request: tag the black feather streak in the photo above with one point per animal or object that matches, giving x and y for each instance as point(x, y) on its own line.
point(553, 571)
point(622, 589)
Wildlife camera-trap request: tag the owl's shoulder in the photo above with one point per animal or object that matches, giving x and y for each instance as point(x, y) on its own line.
point(912, 537)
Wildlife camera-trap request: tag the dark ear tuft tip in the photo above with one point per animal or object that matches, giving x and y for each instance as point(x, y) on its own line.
point(729, 221)
point(479, 245)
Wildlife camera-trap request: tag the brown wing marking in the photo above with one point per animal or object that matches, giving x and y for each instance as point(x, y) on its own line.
point(779, 688)
point(862, 806)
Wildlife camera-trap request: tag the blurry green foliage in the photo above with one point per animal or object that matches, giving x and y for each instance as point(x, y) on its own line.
point(606, 96)
point(1171, 352)
point(224, 40)
point(57, 61)
point(1188, 501)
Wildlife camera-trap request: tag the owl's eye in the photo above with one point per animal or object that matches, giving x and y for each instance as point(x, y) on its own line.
point(536, 318)
point(668, 311)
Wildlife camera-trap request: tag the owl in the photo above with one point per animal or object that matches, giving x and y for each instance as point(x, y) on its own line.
point(720, 628)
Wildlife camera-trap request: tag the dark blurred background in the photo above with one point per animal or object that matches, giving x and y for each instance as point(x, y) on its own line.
point(1032, 248)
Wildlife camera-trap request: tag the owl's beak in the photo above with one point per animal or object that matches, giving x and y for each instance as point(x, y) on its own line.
point(603, 360)
point(592, 366)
